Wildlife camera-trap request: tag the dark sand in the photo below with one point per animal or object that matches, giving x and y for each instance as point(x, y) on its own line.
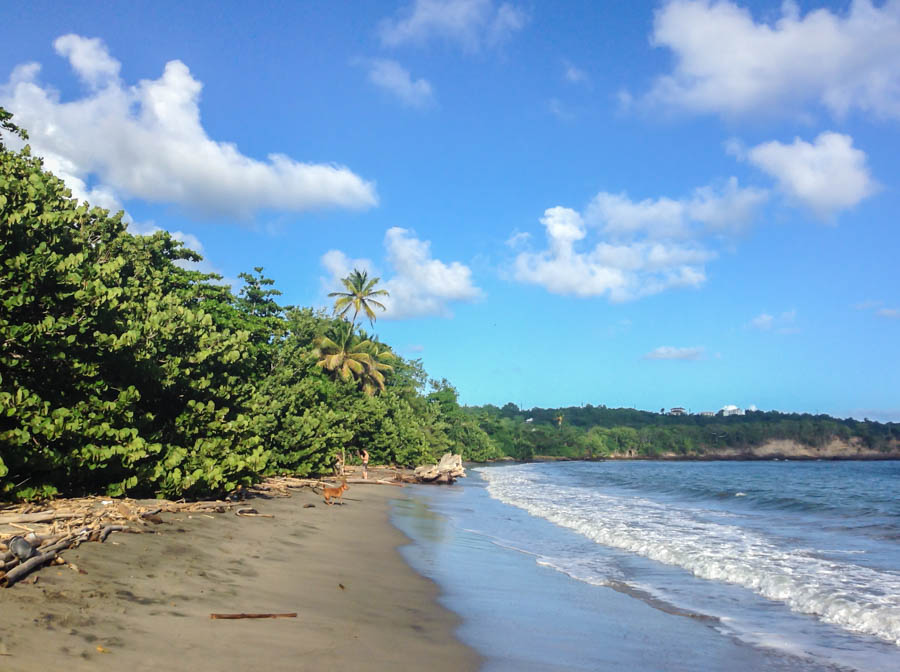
point(146, 599)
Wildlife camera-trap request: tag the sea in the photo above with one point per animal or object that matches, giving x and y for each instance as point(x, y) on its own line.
point(781, 565)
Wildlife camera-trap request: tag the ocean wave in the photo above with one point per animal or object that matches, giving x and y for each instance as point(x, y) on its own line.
point(857, 598)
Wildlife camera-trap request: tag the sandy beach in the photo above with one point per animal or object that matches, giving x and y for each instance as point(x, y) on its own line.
point(146, 599)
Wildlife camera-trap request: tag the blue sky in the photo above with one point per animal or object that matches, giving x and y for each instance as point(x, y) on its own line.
point(682, 203)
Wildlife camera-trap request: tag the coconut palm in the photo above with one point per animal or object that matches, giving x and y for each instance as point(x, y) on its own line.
point(379, 356)
point(339, 355)
point(360, 296)
point(351, 357)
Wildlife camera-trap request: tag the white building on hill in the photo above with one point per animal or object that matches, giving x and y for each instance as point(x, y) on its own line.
point(731, 409)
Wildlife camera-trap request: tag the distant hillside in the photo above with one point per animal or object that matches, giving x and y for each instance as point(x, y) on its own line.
point(586, 432)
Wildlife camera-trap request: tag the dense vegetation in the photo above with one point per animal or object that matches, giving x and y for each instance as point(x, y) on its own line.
point(124, 371)
point(597, 431)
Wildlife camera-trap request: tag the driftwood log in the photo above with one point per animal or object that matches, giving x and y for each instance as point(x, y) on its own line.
point(446, 471)
point(23, 570)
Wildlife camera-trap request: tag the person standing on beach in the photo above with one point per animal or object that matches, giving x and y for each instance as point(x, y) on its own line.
point(365, 460)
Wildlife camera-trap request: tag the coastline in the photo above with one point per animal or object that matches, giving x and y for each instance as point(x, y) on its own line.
point(146, 602)
point(539, 596)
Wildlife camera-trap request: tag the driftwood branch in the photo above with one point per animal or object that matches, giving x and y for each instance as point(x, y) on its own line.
point(374, 481)
point(252, 513)
point(236, 616)
point(105, 532)
point(23, 570)
point(41, 517)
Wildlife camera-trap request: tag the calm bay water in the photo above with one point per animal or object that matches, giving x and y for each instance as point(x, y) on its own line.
point(796, 561)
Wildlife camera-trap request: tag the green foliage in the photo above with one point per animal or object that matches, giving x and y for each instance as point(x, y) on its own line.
point(122, 372)
point(464, 434)
point(598, 431)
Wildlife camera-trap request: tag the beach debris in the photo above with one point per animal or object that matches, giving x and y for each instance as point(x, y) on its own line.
point(236, 616)
point(238, 494)
point(24, 569)
point(57, 525)
point(21, 548)
point(446, 471)
point(252, 513)
point(61, 524)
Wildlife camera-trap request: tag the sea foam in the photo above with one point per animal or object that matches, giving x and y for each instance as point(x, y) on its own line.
point(854, 597)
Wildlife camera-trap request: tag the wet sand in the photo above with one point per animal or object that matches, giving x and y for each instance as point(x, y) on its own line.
point(146, 600)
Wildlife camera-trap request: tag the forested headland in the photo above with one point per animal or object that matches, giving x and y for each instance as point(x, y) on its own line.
point(125, 371)
point(588, 432)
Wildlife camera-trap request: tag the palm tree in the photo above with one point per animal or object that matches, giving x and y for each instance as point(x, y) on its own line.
point(360, 296)
point(351, 357)
point(348, 356)
point(339, 355)
point(379, 356)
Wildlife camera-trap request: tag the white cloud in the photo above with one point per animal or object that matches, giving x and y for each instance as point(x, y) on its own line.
point(669, 352)
point(89, 58)
point(339, 266)
point(621, 271)
point(763, 322)
point(518, 239)
point(636, 248)
point(421, 285)
point(573, 74)
point(723, 208)
point(827, 175)
point(472, 24)
point(728, 63)
point(782, 324)
point(395, 79)
point(878, 308)
point(147, 141)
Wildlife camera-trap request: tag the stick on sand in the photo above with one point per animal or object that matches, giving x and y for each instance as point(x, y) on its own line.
point(233, 616)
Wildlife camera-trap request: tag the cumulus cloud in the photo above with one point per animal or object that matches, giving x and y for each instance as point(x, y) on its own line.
point(396, 80)
point(421, 285)
point(726, 62)
point(89, 58)
point(669, 352)
point(627, 249)
point(723, 208)
point(147, 141)
point(827, 175)
point(471, 24)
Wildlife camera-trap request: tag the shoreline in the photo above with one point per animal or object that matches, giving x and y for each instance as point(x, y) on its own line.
point(146, 602)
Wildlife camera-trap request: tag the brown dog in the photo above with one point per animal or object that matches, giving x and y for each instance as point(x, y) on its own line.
point(337, 491)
